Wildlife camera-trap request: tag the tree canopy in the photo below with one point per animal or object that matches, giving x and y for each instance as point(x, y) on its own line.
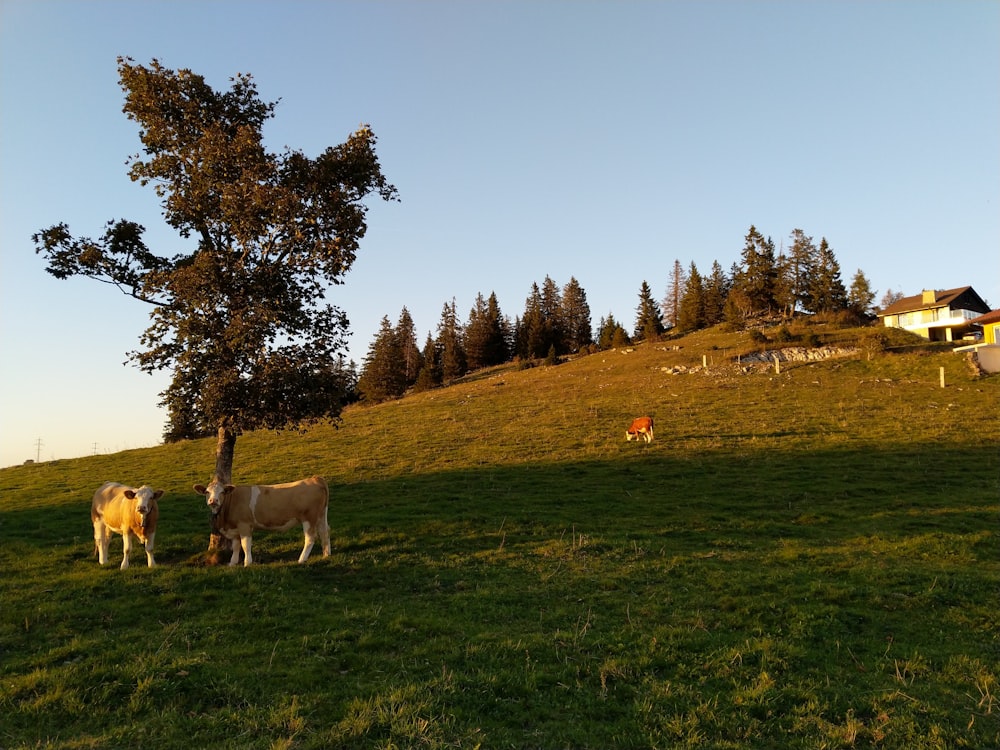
point(241, 317)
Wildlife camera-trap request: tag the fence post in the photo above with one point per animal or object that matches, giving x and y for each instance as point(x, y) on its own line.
point(942, 377)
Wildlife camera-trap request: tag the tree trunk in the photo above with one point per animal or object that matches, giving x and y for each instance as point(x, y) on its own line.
point(225, 449)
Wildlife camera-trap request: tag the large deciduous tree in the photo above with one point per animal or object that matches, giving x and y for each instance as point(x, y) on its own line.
point(241, 317)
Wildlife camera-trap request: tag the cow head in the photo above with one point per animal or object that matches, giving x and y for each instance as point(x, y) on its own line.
point(215, 493)
point(145, 501)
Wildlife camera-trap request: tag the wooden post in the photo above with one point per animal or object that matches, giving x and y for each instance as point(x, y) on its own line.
point(942, 377)
point(704, 361)
point(777, 365)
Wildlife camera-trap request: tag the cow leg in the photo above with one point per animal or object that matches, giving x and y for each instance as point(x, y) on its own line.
point(149, 551)
point(101, 541)
point(246, 542)
point(126, 547)
point(235, 559)
point(310, 540)
point(324, 535)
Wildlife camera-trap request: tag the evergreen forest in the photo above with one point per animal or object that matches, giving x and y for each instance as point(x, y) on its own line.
point(764, 284)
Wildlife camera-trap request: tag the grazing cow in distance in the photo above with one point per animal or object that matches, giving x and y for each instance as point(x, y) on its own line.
point(237, 510)
point(126, 511)
point(641, 427)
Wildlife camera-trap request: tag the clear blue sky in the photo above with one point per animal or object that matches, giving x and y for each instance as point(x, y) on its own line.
point(601, 140)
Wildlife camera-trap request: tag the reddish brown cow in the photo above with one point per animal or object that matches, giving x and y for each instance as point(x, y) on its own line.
point(126, 511)
point(238, 510)
point(641, 427)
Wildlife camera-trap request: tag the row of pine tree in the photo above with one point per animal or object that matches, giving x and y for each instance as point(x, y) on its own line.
point(557, 321)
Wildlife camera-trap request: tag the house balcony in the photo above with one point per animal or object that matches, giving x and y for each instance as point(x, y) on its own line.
point(936, 325)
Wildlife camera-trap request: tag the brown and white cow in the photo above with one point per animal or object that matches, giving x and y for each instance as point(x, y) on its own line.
point(237, 510)
point(641, 427)
point(127, 511)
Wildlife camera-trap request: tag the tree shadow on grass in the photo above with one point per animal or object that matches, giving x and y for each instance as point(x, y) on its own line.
point(759, 496)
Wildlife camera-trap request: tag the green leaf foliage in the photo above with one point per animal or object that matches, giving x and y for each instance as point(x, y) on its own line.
point(241, 317)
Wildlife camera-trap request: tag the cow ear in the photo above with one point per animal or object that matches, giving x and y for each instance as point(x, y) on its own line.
point(228, 488)
point(200, 489)
point(130, 494)
point(158, 494)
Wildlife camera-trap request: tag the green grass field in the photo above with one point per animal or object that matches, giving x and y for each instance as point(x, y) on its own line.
point(807, 559)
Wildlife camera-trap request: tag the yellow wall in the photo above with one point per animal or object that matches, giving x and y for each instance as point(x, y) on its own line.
point(991, 333)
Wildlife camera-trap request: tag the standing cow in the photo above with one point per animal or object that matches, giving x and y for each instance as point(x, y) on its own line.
point(641, 427)
point(127, 511)
point(238, 510)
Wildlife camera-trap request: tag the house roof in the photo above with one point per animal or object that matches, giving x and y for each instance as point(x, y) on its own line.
point(941, 299)
point(991, 317)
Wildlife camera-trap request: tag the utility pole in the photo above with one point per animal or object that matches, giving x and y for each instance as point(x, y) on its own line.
point(38, 450)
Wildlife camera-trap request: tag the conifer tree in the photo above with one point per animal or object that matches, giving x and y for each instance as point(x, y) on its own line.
point(406, 338)
point(784, 295)
point(454, 363)
point(498, 346)
point(532, 335)
point(827, 291)
point(485, 337)
point(716, 291)
point(799, 270)
point(345, 373)
point(554, 328)
point(430, 372)
point(477, 334)
point(383, 376)
point(610, 334)
point(861, 295)
point(758, 271)
point(675, 290)
point(576, 317)
point(648, 322)
point(691, 316)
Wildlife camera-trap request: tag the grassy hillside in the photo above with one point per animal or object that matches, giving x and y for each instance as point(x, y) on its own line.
point(801, 559)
